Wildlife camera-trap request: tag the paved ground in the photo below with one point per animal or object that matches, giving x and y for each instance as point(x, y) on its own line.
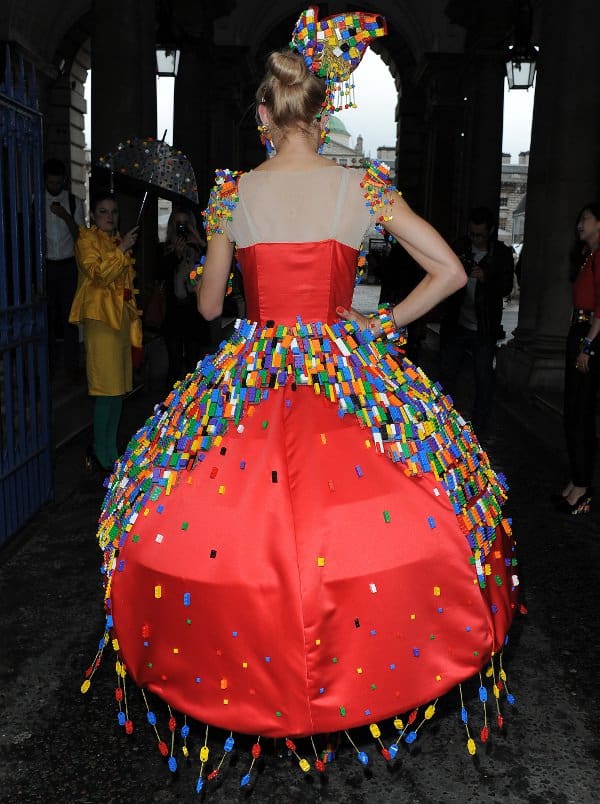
point(59, 746)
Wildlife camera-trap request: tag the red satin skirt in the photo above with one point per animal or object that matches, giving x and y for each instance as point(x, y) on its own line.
point(297, 581)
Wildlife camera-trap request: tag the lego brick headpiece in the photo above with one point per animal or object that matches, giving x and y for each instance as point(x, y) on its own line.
point(333, 48)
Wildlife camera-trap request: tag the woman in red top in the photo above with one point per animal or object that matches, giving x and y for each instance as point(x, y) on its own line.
point(582, 374)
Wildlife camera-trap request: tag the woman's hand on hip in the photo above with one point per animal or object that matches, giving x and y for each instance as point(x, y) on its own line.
point(353, 315)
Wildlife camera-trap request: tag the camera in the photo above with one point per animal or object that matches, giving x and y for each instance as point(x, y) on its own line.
point(181, 229)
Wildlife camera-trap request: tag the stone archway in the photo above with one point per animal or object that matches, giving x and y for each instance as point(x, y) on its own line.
point(225, 57)
point(65, 106)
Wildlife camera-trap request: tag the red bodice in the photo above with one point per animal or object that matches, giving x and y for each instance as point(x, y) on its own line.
point(285, 280)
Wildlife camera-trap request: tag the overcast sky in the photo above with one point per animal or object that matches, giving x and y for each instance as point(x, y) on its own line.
point(374, 117)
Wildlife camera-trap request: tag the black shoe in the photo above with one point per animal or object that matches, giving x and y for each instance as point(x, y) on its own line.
point(583, 505)
point(93, 465)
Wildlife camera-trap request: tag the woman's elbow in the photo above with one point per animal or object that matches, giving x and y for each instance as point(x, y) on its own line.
point(209, 310)
point(456, 277)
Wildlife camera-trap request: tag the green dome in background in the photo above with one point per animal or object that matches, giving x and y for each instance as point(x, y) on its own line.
point(336, 126)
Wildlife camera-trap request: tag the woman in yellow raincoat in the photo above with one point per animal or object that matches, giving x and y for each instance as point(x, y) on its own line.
point(105, 305)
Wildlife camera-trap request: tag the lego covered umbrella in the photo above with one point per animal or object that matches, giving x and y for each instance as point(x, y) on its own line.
point(151, 166)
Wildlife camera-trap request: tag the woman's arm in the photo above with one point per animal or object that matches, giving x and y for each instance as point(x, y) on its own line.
point(100, 268)
point(583, 358)
point(211, 289)
point(427, 247)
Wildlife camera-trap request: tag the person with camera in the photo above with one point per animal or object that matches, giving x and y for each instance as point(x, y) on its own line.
point(183, 328)
point(472, 318)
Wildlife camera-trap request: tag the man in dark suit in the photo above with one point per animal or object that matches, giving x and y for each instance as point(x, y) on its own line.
point(472, 319)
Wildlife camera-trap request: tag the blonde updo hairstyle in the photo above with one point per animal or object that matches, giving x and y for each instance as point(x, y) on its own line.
point(292, 94)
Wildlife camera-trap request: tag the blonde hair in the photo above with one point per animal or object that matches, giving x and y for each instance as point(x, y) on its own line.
point(292, 94)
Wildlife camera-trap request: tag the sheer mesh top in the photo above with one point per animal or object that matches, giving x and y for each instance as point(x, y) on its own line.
point(300, 207)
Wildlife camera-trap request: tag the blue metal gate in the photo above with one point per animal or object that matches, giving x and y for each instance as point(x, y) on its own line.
point(25, 450)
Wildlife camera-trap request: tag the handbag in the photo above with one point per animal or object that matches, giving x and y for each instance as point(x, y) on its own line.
point(156, 306)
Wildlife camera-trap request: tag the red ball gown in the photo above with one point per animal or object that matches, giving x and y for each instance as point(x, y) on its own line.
point(306, 536)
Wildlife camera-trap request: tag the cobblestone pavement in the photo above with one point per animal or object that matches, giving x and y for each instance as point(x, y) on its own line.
point(57, 745)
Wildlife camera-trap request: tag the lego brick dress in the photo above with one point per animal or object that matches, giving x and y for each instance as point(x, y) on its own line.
point(305, 536)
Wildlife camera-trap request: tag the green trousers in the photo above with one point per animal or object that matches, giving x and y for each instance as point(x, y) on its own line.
point(107, 414)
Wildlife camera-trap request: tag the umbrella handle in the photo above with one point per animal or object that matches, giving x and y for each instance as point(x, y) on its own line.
point(139, 217)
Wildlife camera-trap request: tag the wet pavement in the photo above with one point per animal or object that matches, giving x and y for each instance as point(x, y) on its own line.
point(57, 745)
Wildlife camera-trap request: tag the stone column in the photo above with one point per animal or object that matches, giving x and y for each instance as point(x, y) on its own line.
point(124, 102)
point(211, 128)
point(445, 122)
point(207, 91)
point(411, 156)
point(233, 82)
point(564, 173)
point(192, 116)
point(483, 131)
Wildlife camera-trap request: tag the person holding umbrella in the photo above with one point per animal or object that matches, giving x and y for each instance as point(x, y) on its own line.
point(105, 305)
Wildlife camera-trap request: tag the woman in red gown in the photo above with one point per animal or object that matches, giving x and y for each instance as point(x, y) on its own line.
point(306, 537)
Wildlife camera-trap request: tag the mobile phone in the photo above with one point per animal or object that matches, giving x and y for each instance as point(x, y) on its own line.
point(181, 229)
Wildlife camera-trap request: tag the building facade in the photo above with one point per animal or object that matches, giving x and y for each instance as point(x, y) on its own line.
point(387, 154)
point(340, 149)
point(513, 189)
